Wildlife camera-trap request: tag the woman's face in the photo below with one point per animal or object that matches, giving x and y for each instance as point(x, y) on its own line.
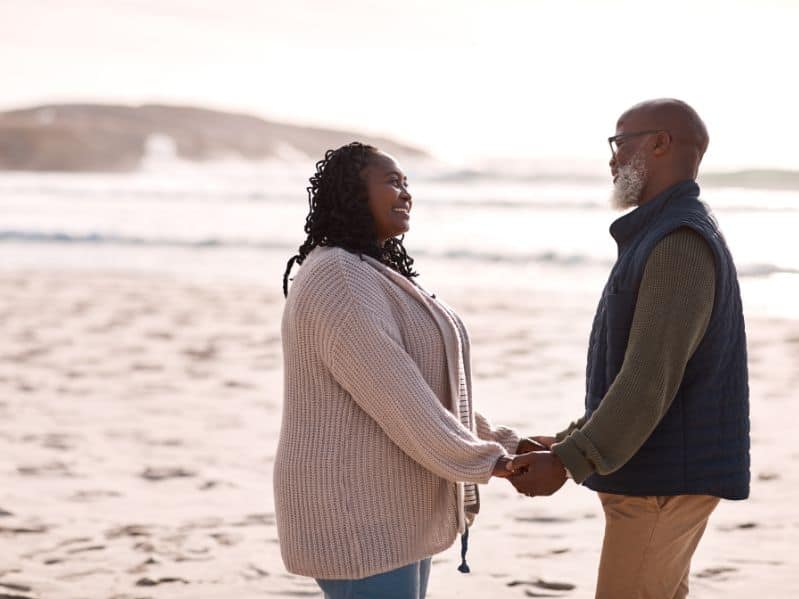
point(388, 197)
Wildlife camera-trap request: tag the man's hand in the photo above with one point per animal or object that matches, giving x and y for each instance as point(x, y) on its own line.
point(537, 443)
point(545, 474)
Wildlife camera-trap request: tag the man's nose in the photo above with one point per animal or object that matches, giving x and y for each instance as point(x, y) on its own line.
point(612, 162)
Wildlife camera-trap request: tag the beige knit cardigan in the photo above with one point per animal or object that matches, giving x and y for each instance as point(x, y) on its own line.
point(372, 452)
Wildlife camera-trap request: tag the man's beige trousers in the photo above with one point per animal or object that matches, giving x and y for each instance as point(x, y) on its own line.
point(649, 542)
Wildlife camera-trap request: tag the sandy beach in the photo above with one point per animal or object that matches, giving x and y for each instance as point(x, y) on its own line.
point(139, 417)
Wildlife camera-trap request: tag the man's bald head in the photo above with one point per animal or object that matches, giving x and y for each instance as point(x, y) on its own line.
point(682, 122)
point(659, 143)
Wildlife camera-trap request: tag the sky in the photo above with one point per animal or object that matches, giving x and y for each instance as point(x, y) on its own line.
point(471, 82)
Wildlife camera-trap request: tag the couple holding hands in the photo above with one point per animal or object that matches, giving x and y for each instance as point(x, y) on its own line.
point(381, 452)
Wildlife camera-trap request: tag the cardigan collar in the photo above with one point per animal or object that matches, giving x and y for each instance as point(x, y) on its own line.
point(449, 331)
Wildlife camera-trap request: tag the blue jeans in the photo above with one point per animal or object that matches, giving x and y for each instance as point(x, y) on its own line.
point(408, 582)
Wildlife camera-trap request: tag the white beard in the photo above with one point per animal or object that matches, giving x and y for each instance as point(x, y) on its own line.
point(629, 184)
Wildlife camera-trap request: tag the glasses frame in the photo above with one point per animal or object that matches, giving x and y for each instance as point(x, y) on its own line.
point(615, 138)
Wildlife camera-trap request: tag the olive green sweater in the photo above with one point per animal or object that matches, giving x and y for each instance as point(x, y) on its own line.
point(674, 304)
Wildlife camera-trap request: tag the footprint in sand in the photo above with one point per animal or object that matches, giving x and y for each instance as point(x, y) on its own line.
point(93, 495)
point(131, 530)
point(15, 587)
point(253, 572)
point(257, 520)
point(145, 367)
point(741, 526)
point(213, 484)
point(202, 353)
point(541, 519)
point(85, 549)
point(18, 530)
point(715, 572)
point(161, 335)
point(150, 582)
point(60, 441)
point(767, 562)
point(549, 553)
point(166, 472)
point(26, 355)
point(59, 545)
point(166, 442)
point(208, 522)
point(144, 565)
point(48, 469)
point(543, 584)
point(10, 596)
point(226, 539)
point(231, 384)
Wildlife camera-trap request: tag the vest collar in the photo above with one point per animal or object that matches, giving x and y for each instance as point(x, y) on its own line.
point(625, 228)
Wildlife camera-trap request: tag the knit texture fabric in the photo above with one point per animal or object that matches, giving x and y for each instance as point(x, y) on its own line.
point(372, 446)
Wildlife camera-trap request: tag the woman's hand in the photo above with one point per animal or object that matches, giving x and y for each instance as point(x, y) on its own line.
point(504, 467)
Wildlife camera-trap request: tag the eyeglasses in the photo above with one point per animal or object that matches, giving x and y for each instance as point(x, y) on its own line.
point(613, 142)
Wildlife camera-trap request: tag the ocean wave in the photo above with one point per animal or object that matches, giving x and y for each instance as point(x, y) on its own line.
point(546, 257)
point(764, 270)
point(764, 179)
point(549, 257)
point(545, 198)
point(125, 240)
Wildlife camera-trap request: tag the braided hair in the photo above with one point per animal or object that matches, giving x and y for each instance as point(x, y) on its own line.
point(339, 214)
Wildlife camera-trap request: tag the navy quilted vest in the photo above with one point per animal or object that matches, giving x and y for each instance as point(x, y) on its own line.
point(701, 446)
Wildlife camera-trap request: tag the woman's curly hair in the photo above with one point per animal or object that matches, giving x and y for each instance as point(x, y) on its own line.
point(339, 213)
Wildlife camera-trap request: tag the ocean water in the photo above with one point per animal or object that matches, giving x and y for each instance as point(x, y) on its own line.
point(242, 221)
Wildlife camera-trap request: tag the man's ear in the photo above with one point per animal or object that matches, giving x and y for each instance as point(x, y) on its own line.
point(662, 143)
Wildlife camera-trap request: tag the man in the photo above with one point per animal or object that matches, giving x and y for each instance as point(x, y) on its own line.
point(665, 432)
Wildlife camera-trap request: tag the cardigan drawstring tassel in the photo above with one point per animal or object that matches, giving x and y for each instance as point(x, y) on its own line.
point(464, 567)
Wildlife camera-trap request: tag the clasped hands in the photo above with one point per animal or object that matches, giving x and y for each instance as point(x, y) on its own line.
point(534, 470)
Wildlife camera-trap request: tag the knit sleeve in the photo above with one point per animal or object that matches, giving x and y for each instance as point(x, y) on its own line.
point(505, 436)
point(673, 309)
point(383, 379)
point(573, 426)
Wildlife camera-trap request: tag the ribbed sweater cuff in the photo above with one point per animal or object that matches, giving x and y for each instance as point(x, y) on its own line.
point(508, 438)
point(573, 458)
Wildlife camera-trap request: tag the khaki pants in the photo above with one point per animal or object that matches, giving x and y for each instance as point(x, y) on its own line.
point(648, 545)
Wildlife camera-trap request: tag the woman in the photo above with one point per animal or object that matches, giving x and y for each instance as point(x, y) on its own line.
point(379, 451)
